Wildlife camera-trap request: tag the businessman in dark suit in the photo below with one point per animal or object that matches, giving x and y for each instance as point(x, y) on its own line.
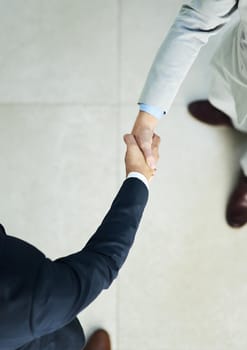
point(40, 298)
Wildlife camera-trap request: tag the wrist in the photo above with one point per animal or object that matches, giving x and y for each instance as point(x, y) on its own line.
point(148, 174)
point(146, 120)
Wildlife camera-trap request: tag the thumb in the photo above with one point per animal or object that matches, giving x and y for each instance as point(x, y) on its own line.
point(130, 140)
point(150, 159)
point(149, 156)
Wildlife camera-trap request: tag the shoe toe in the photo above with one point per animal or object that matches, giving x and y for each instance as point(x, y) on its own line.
point(236, 221)
point(99, 340)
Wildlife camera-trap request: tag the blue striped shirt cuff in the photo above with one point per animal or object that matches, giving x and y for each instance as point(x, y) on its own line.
point(154, 111)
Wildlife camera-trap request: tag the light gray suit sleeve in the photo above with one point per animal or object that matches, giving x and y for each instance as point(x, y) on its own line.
point(195, 23)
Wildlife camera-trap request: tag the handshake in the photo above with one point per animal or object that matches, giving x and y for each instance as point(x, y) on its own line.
point(142, 152)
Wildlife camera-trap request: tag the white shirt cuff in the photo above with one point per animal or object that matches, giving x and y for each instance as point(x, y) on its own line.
point(140, 177)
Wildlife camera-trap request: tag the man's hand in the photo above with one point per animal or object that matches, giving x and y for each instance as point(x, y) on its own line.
point(143, 131)
point(134, 158)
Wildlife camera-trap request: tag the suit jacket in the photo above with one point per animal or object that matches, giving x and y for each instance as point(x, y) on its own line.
point(40, 298)
point(196, 22)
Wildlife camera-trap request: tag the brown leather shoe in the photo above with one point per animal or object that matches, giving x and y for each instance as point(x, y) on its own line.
point(206, 113)
point(99, 340)
point(236, 213)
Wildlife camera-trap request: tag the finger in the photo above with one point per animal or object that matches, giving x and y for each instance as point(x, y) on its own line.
point(155, 147)
point(149, 156)
point(153, 174)
point(156, 141)
point(156, 155)
point(146, 149)
point(130, 140)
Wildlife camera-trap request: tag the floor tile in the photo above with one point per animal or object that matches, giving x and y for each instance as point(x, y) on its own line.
point(59, 52)
point(183, 286)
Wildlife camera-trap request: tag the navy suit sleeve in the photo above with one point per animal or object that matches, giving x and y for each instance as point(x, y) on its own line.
point(64, 287)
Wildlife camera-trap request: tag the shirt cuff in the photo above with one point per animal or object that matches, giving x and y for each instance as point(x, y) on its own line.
point(140, 177)
point(153, 110)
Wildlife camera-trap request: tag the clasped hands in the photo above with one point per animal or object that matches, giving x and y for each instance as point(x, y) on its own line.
point(142, 144)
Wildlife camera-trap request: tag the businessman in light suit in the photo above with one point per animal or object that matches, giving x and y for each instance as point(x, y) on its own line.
point(196, 22)
point(40, 298)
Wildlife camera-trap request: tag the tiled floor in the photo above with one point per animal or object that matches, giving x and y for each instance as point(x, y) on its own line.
point(70, 76)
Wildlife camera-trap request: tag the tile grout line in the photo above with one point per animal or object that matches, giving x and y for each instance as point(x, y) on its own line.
point(48, 104)
point(68, 104)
